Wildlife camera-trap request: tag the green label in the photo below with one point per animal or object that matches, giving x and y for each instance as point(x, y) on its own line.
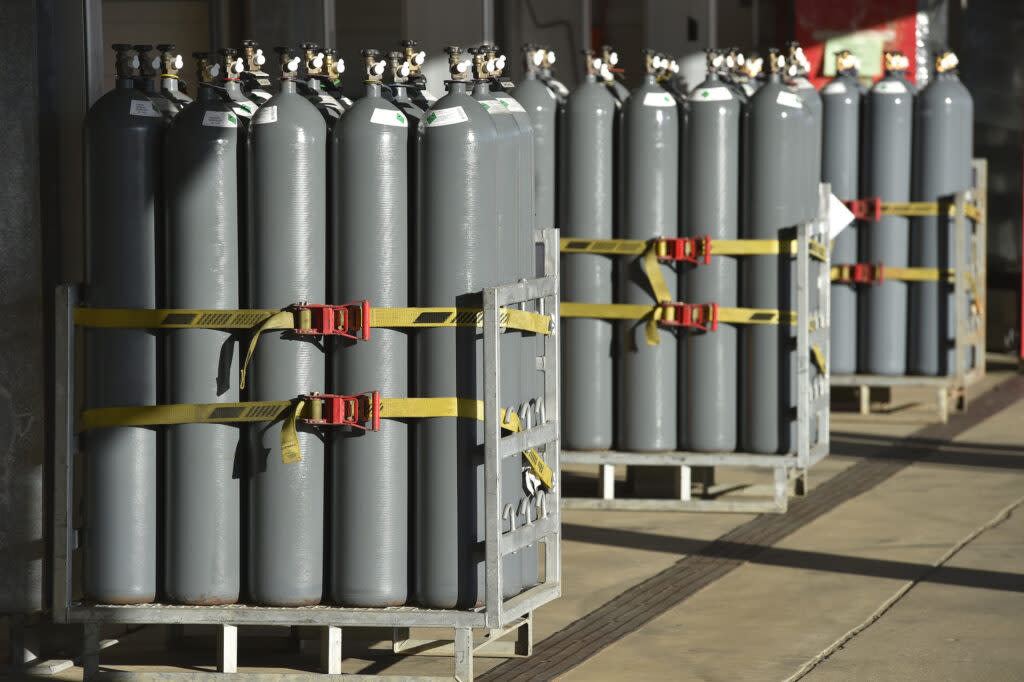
point(401, 119)
point(431, 118)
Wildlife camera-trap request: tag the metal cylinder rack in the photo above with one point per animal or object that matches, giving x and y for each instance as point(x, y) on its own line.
point(499, 615)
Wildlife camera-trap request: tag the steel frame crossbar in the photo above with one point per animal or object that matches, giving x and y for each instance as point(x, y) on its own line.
point(499, 616)
point(970, 251)
point(813, 403)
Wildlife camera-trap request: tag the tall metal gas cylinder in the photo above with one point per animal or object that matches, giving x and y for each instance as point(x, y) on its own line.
point(398, 74)
point(840, 167)
point(509, 229)
point(255, 81)
point(710, 206)
point(610, 65)
point(286, 265)
point(416, 57)
point(201, 264)
point(227, 71)
point(943, 146)
point(542, 108)
point(334, 66)
point(171, 64)
point(370, 260)
point(122, 139)
point(646, 418)
point(147, 82)
point(885, 173)
point(456, 258)
point(773, 139)
point(797, 69)
point(587, 210)
point(313, 86)
point(556, 86)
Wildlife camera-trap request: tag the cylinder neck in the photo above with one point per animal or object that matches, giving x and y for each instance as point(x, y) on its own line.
point(455, 87)
point(373, 89)
point(169, 84)
point(591, 78)
point(401, 91)
point(714, 77)
point(530, 75)
point(481, 89)
point(125, 83)
point(232, 87)
point(774, 77)
point(288, 87)
point(650, 79)
point(207, 93)
point(314, 84)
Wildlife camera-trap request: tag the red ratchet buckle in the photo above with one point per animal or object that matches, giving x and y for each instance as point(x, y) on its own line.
point(865, 209)
point(700, 316)
point(690, 249)
point(351, 320)
point(346, 410)
point(861, 273)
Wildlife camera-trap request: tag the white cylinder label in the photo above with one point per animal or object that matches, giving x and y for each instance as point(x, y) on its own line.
point(835, 87)
point(493, 106)
point(447, 117)
point(387, 117)
point(220, 119)
point(658, 99)
point(513, 106)
point(891, 87)
point(143, 107)
point(789, 99)
point(711, 95)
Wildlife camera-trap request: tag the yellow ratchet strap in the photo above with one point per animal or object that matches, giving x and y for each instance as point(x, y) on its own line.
point(299, 318)
point(819, 359)
point(719, 247)
point(307, 407)
point(653, 314)
point(913, 209)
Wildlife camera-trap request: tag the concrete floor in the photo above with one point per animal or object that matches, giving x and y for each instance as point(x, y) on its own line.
point(919, 578)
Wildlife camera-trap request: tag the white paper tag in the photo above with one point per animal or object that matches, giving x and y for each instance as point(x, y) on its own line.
point(447, 117)
point(429, 96)
point(265, 115)
point(711, 95)
point(346, 101)
point(143, 107)
point(789, 99)
point(835, 87)
point(331, 102)
point(839, 217)
point(387, 117)
point(891, 87)
point(658, 99)
point(242, 109)
point(513, 105)
point(220, 119)
point(493, 107)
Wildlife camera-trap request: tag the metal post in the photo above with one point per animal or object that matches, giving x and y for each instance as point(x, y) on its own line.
point(90, 650)
point(330, 650)
point(684, 482)
point(330, 23)
point(607, 481)
point(487, 20)
point(960, 323)
point(63, 450)
point(94, 50)
point(492, 459)
point(524, 637)
point(464, 649)
point(227, 649)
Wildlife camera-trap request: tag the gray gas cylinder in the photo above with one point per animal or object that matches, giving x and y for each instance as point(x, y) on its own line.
point(542, 107)
point(286, 265)
point(943, 146)
point(313, 85)
point(840, 156)
point(202, 508)
point(171, 64)
point(773, 134)
point(255, 81)
point(647, 412)
point(148, 82)
point(370, 260)
point(456, 258)
point(413, 114)
point(587, 211)
point(885, 173)
point(710, 206)
point(228, 71)
point(123, 136)
point(797, 70)
point(509, 270)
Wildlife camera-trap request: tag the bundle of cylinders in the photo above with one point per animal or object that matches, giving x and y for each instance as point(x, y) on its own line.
point(896, 145)
point(246, 198)
point(675, 157)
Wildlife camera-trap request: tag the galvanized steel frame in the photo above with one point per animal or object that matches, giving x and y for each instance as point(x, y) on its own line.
point(970, 328)
point(499, 616)
point(813, 404)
